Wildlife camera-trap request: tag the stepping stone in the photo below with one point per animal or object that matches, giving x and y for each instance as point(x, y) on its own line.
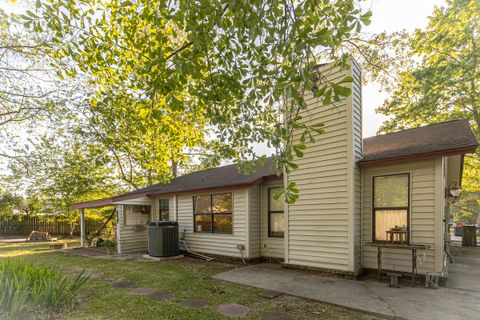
point(112, 279)
point(141, 291)
point(233, 310)
point(270, 294)
point(164, 296)
point(94, 275)
point(275, 316)
point(194, 303)
point(74, 271)
point(123, 284)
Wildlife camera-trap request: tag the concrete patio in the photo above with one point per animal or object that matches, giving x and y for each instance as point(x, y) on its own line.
point(464, 273)
point(458, 301)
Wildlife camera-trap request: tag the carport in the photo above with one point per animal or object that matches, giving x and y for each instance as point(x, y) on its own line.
point(81, 206)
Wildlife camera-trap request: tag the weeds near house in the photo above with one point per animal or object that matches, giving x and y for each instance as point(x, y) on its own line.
point(23, 286)
point(107, 244)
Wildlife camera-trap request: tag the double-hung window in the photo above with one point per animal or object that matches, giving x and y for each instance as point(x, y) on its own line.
point(276, 224)
point(213, 213)
point(164, 209)
point(391, 197)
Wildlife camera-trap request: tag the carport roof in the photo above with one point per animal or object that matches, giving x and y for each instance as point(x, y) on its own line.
point(93, 204)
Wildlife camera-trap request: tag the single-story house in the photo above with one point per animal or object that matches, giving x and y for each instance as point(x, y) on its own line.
point(355, 194)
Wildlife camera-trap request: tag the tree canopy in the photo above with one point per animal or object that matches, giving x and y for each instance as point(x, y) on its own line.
point(99, 96)
point(174, 78)
point(433, 74)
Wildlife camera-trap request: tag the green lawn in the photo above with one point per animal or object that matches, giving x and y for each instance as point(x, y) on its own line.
point(186, 278)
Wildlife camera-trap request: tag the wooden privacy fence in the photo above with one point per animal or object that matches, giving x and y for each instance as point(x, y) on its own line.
point(17, 226)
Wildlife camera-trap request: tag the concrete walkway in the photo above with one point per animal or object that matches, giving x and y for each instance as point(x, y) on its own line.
point(414, 303)
point(99, 253)
point(465, 272)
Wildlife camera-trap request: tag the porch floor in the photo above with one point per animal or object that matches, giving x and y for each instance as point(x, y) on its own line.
point(415, 303)
point(102, 254)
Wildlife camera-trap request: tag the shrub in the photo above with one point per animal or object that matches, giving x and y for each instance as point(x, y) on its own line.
point(107, 244)
point(23, 286)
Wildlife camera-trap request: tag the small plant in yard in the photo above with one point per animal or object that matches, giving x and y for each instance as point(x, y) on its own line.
point(107, 244)
point(24, 287)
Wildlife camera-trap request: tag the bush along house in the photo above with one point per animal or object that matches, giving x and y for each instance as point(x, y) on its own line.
point(375, 203)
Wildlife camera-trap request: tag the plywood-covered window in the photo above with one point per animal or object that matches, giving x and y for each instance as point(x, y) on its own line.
point(136, 215)
point(276, 219)
point(391, 198)
point(213, 213)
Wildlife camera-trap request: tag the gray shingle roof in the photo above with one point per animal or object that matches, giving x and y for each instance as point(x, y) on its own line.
point(435, 139)
point(220, 177)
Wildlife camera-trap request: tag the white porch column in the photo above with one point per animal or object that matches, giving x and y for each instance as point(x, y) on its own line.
point(82, 228)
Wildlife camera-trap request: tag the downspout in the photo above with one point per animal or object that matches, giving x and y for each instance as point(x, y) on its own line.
point(361, 217)
point(262, 242)
point(286, 216)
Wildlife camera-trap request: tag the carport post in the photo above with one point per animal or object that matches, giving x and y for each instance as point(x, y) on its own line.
point(82, 228)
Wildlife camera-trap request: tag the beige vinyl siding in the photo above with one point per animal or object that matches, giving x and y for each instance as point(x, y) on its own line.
point(357, 155)
point(323, 221)
point(215, 244)
point(423, 216)
point(254, 221)
point(129, 241)
point(271, 247)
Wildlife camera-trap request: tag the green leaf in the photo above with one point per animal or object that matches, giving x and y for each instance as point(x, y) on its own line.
point(328, 97)
point(31, 14)
point(366, 18)
point(347, 79)
point(291, 165)
point(298, 152)
point(341, 91)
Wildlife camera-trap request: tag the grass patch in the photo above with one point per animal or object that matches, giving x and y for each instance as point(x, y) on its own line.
point(24, 288)
point(186, 279)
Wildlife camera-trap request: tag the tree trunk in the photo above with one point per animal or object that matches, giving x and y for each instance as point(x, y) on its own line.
point(174, 168)
point(72, 229)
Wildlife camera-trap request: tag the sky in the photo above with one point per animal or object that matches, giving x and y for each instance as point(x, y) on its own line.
point(390, 16)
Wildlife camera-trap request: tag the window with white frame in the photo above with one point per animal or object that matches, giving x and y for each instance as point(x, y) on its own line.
point(276, 219)
point(391, 209)
point(164, 209)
